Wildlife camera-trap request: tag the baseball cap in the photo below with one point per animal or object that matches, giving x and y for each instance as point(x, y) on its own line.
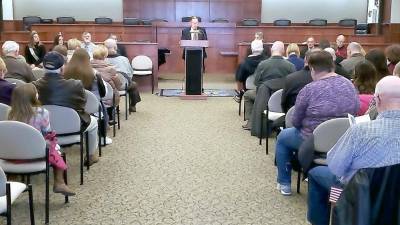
point(53, 60)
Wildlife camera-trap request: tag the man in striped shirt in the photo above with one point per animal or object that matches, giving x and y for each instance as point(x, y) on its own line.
point(364, 145)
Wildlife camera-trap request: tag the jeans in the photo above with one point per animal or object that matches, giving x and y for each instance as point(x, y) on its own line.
point(289, 141)
point(320, 181)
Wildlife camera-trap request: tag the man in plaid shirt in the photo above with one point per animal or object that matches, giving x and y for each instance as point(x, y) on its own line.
point(365, 145)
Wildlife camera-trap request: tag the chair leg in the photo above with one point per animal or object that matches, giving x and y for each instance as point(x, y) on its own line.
point(152, 82)
point(81, 148)
point(126, 105)
point(99, 138)
point(114, 114)
point(244, 112)
point(240, 106)
point(298, 181)
point(261, 128)
point(47, 189)
point(266, 145)
point(65, 175)
point(87, 149)
point(31, 209)
point(8, 193)
point(118, 112)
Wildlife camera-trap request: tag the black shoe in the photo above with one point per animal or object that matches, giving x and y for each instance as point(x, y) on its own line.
point(246, 127)
point(237, 98)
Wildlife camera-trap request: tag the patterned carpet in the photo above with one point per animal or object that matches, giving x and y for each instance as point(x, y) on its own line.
point(174, 162)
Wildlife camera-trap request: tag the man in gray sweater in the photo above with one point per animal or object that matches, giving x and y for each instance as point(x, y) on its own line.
point(273, 68)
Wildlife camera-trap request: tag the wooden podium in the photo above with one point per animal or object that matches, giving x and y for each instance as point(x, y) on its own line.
point(194, 59)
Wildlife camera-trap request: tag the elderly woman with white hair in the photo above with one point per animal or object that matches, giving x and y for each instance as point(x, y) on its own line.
point(248, 67)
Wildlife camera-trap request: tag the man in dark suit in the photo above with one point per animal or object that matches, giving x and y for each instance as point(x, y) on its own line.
point(194, 32)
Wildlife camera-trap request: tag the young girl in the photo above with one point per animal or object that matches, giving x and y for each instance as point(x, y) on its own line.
point(25, 107)
point(35, 50)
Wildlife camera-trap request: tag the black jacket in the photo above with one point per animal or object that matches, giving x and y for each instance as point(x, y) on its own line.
point(55, 90)
point(294, 82)
point(248, 67)
point(187, 36)
point(372, 197)
point(39, 50)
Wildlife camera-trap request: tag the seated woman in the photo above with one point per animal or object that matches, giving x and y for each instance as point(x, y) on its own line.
point(79, 68)
point(392, 53)
point(25, 107)
point(35, 50)
point(72, 45)
point(248, 67)
point(365, 79)
point(6, 88)
point(293, 56)
point(58, 40)
point(328, 96)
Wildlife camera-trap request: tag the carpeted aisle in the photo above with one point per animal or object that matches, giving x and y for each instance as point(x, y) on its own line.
point(174, 162)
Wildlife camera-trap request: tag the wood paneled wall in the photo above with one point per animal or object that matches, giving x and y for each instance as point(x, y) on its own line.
point(174, 10)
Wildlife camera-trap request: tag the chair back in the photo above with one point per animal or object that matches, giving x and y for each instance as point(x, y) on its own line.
point(3, 181)
point(109, 92)
point(142, 62)
point(250, 83)
point(103, 20)
point(348, 23)
point(288, 117)
point(250, 22)
point(24, 142)
point(318, 22)
point(220, 20)
point(132, 21)
point(63, 120)
point(29, 20)
point(4, 110)
point(92, 103)
point(158, 20)
point(328, 133)
point(66, 20)
point(47, 21)
point(189, 18)
point(15, 81)
point(282, 22)
point(274, 102)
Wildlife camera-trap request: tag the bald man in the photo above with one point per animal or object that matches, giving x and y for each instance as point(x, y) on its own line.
point(310, 42)
point(341, 51)
point(354, 56)
point(365, 145)
point(274, 67)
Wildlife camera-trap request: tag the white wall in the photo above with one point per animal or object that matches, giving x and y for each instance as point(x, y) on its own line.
point(395, 18)
point(300, 11)
point(80, 9)
point(7, 10)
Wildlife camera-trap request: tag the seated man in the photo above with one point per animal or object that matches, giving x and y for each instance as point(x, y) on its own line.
point(53, 89)
point(310, 44)
point(16, 68)
point(328, 96)
point(354, 56)
point(6, 88)
point(341, 51)
point(365, 145)
point(87, 43)
point(248, 67)
point(122, 65)
point(274, 67)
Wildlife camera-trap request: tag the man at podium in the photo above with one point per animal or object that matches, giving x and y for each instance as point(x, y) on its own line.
point(194, 32)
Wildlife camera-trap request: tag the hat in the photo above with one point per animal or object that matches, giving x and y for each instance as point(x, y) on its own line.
point(10, 46)
point(53, 60)
point(257, 46)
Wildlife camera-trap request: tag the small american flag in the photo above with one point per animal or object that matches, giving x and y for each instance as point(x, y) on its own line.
point(335, 194)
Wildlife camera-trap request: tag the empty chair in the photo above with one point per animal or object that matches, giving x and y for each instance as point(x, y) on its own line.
point(146, 22)
point(220, 20)
point(65, 20)
point(46, 21)
point(29, 148)
point(326, 135)
point(29, 20)
point(103, 20)
point(318, 22)
point(282, 22)
point(143, 66)
point(288, 117)
point(189, 18)
point(362, 28)
point(158, 20)
point(4, 110)
point(15, 81)
point(348, 23)
point(132, 21)
point(9, 192)
point(250, 22)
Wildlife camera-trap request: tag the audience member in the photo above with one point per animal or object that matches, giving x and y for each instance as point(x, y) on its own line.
point(310, 45)
point(354, 56)
point(16, 68)
point(259, 36)
point(248, 67)
point(396, 70)
point(293, 56)
point(365, 79)
point(378, 59)
point(324, 44)
point(6, 88)
point(294, 82)
point(274, 67)
point(393, 55)
point(35, 50)
point(87, 43)
point(120, 48)
point(123, 67)
point(338, 68)
point(73, 44)
point(365, 145)
point(328, 96)
point(25, 108)
point(62, 50)
point(58, 40)
point(341, 51)
point(55, 90)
